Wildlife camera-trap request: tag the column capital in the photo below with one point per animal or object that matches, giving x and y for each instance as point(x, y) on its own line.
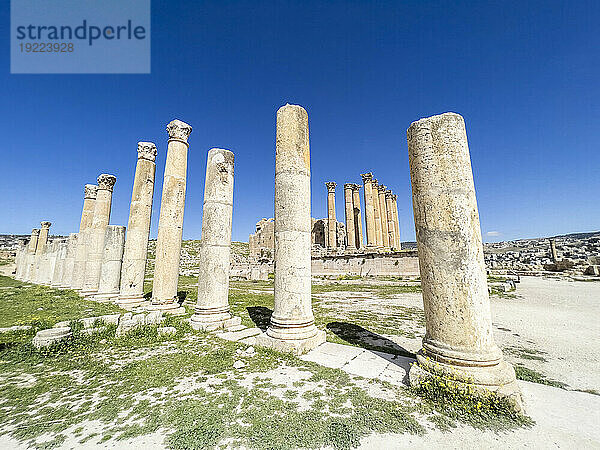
point(388, 194)
point(45, 224)
point(179, 131)
point(394, 197)
point(106, 182)
point(147, 150)
point(35, 232)
point(348, 186)
point(375, 183)
point(367, 177)
point(381, 188)
point(330, 186)
point(356, 187)
point(90, 191)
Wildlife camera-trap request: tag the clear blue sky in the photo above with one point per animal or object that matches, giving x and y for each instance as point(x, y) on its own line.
point(524, 74)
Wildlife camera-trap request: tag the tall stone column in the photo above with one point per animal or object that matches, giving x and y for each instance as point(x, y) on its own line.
point(87, 216)
point(292, 325)
point(458, 340)
point(40, 252)
point(390, 219)
point(133, 270)
point(19, 261)
point(396, 221)
point(30, 259)
point(350, 227)
point(170, 221)
point(112, 257)
point(331, 220)
point(96, 234)
point(67, 276)
point(369, 209)
point(377, 215)
point(385, 238)
point(553, 252)
point(358, 230)
point(47, 263)
point(212, 307)
point(59, 265)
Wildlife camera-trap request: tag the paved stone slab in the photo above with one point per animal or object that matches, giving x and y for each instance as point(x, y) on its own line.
point(238, 335)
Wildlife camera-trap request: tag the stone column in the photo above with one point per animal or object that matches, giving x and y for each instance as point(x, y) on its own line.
point(96, 233)
point(30, 259)
point(369, 210)
point(59, 266)
point(350, 227)
point(385, 238)
point(214, 255)
point(170, 221)
point(112, 256)
point(458, 340)
point(377, 215)
point(19, 261)
point(47, 263)
point(553, 252)
point(133, 270)
point(40, 252)
point(396, 221)
point(69, 261)
point(87, 216)
point(331, 220)
point(292, 325)
point(358, 230)
point(390, 219)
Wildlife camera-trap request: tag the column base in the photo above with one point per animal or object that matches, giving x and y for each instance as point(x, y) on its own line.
point(127, 302)
point(206, 322)
point(295, 346)
point(88, 292)
point(105, 297)
point(498, 378)
point(172, 308)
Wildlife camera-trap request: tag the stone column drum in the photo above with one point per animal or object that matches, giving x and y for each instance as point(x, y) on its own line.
point(385, 238)
point(96, 233)
point(30, 258)
point(40, 252)
point(212, 307)
point(59, 266)
point(396, 221)
point(331, 220)
point(112, 256)
point(458, 340)
point(170, 221)
point(369, 210)
point(553, 253)
point(357, 216)
point(350, 229)
point(390, 219)
point(377, 215)
point(133, 270)
point(47, 263)
point(87, 216)
point(292, 325)
point(67, 274)
point(19, 261)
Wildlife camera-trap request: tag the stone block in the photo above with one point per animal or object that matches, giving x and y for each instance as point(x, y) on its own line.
point(238, 335)
point(46, 338)
point(166, 330)
point(297, 347)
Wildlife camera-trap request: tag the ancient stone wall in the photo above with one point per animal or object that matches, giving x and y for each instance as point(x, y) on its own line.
point(404, 263)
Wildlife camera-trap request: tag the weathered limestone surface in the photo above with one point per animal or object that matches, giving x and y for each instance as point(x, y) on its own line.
point(50, 336)
point(133, 269)
point(458, 338)
point(357, 216)
point(350, 228)
point(369, 209)
point(30, 255)
point(331, 222)
point(96, 233)
point(59, 265)
point(553, 252)
point(69, 261)
point(40, 253)
point(43, 238)
point(212, 307)
point(389, 207)
point(87, 216)
point(385, 238)
point(292, 325)
point(170, 222)
point(396, 220)
point(110, 274)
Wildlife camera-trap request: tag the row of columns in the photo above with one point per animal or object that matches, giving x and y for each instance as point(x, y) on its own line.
point(381, 215)
point(458, 342)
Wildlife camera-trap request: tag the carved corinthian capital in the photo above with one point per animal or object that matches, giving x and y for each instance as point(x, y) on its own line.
point(45, 224)
point(106, 182)
point(35, 232)
point(147, 150)
point(382, 188)
point(179, 131)
point(330, 186)
point(388, 194)
point(90, 191)
point(367, 177)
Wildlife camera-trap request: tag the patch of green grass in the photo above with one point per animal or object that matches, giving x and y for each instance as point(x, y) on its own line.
point(526, 353)
point(526, 374)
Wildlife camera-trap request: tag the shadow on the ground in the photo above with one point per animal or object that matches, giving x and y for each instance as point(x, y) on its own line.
point(361, 337)
point(260, 315)
point(181, 295)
